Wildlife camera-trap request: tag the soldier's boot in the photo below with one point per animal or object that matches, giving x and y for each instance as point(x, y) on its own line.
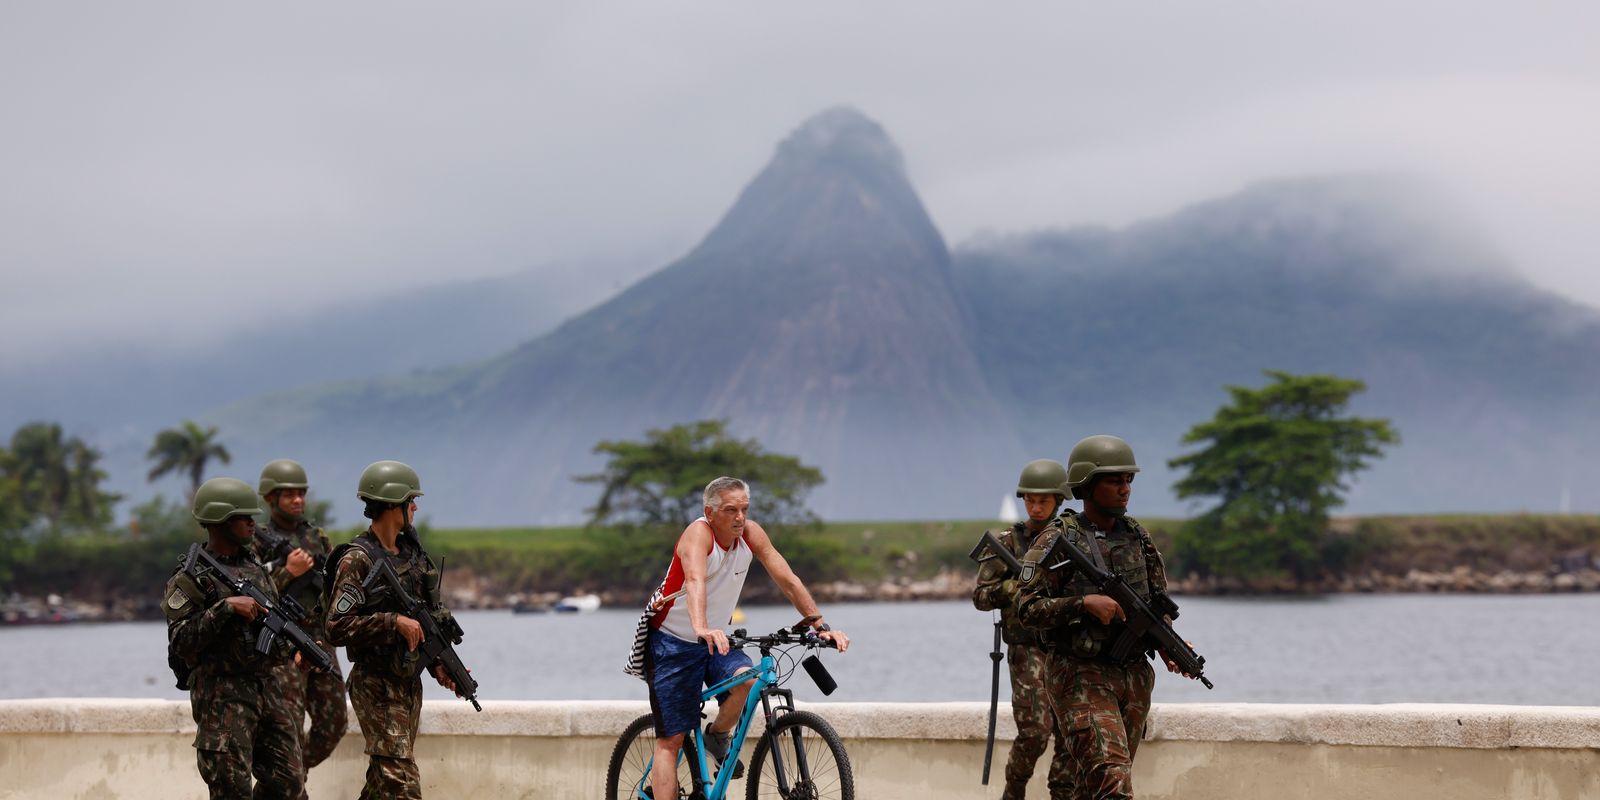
point(1015, 790)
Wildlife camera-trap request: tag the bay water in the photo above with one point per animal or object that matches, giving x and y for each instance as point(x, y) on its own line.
point(1496, 649)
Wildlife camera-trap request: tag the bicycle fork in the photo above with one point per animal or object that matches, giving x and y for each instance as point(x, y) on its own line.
point(771, 733)
point(703, 788)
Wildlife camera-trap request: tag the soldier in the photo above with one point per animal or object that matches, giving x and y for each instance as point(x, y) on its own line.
point(1101, 705)
point(1042, 490)
point(295, 553)
point(380, 640)
point(244, 727)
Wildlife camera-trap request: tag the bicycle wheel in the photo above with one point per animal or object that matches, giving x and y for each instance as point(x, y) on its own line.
point(808, 752)
point(630, 761)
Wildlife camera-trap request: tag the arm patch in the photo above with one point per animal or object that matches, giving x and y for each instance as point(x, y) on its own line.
point(350, 598)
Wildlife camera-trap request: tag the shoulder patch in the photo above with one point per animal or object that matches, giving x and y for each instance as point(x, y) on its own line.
point(176, 599)
point(350, 599)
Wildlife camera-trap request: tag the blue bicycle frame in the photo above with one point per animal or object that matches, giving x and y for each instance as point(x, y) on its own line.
point(764, 688)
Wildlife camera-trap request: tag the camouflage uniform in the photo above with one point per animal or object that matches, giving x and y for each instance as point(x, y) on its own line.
point(244, 728)
point(1100, 705)
point(385, 687)
point(319, 694)
point(1030, 704)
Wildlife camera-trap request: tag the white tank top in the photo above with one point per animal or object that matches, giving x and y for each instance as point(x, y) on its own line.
point(725, 573)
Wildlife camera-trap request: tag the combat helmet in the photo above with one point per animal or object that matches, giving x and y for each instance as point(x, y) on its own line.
point(1043, 476)
point(1097, 455)
point(221, 499)
point(388, 482)
point(282, 473)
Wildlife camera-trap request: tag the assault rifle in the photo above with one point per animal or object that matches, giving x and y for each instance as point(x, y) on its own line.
point(989, 547)
point(276, 549)
point(281, 617)
point(436, 645)
point(1144, 624)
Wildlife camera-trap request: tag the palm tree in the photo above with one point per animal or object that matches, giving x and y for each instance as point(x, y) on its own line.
point(86, 503)
point(186, 449)
point(43, 476)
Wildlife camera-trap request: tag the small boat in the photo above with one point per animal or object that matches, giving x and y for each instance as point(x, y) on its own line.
point(530, 608)
point(578, 603)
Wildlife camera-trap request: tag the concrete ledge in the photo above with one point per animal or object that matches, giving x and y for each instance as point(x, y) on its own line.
point(139, 749)
point(1397, 725)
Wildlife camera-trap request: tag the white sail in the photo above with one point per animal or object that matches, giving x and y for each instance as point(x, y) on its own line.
point(1008, 510)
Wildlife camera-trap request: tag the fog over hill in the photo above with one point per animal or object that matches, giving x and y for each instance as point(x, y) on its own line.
point(119, 393)
point(1490, 381)
point(819, 316)
point(825, 316)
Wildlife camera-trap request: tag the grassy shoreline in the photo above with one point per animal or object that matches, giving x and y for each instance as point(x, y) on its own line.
point(114, 576)
point(1378, 550)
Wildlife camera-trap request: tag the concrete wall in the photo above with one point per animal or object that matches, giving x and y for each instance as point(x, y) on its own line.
point(135, 749)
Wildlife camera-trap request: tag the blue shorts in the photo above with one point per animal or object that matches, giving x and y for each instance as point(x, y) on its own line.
point(678, 671)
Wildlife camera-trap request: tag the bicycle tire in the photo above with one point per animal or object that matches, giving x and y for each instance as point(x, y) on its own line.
point(631, 755)
point(826, 774)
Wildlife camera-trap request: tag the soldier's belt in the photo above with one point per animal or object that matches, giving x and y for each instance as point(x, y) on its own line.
point(265, 672)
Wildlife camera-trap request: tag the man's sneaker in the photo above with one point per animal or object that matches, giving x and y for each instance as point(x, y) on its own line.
point(716, 745)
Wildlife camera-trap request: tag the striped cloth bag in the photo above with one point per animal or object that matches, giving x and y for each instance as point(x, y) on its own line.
point(641, 634)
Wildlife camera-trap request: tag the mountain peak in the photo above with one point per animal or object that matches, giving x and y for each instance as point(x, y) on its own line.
point(841, 131)
point(838, 172)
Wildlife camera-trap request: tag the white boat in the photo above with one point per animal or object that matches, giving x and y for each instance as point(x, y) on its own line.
point(579, 603)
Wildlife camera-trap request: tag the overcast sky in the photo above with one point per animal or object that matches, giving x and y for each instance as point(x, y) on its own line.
point(167, 169)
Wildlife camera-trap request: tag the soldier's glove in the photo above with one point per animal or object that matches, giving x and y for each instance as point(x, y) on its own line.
point(1009, 588)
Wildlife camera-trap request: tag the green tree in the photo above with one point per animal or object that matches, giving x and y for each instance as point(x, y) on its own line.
point(658, 482)
point(186, 449)
point(39, 466)
point(1277, 460)
point(12, 522)
point(56, 478)
point(86, 503)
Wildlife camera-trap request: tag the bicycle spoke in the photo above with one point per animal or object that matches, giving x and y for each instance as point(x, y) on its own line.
point(808, 761)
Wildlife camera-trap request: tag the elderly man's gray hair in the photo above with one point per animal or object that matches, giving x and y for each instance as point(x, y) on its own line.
point(716, 488)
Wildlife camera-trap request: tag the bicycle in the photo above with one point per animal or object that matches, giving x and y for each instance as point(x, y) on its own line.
point(799, 755)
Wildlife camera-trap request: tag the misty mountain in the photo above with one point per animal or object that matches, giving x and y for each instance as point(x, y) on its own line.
point(819, 316)
point(121, 394)
point(824, 315)
point(1490, 381)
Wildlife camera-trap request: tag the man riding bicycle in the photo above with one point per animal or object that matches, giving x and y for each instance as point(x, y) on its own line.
point(685, 652)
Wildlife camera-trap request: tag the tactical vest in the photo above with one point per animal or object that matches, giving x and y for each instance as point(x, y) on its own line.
point(234, 651)
point(418, 575)
point(1012, 631)
point(311, 587)
point(1126, 551)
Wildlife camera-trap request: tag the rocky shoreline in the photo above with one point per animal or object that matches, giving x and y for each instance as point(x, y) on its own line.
point(474, 592)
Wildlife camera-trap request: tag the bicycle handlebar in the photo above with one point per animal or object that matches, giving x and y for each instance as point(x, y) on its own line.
point(741, 638)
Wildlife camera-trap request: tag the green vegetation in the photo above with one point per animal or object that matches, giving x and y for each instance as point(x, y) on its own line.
point(1487, 543)
point(186, 449)
point(583, 559)
point(52, 480)
point(1276, 459)
point(49, 489)
point(658, 482)
point(134, 563)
